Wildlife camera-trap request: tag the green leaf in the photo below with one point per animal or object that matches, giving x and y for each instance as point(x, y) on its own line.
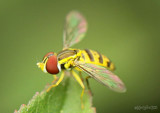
point(65, 98)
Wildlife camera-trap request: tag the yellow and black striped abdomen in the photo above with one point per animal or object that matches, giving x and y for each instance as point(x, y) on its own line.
point(90, 56)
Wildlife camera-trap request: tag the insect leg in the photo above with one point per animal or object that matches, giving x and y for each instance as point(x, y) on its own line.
point(55, 78)
point(82, 85)
point(57, 83)
point(80, 74)
point(88, 84)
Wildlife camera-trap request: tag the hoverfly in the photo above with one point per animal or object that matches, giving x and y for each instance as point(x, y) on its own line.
point(93, 63)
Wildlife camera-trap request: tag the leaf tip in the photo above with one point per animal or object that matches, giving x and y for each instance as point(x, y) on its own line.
point(15, 111)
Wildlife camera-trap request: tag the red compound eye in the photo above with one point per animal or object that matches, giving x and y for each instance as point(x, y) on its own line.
point(50, 53)
point(52, 65)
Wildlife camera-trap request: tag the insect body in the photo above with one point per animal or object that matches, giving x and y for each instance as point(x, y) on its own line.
point(93, 63)
point(87, 56)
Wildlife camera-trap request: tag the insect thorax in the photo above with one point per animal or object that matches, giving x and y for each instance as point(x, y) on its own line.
point(66, 56)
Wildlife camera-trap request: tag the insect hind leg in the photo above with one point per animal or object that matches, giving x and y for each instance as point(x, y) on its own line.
point(88, 86)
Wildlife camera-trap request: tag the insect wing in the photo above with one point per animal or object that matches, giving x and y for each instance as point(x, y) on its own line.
point(74, 29)
point(103, 75)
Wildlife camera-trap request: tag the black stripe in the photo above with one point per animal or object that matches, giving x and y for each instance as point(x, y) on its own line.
point(89, 54)
point(65, 53)
point(108, 63)
point(45, 59)
point(100, 58)
point(83, 56)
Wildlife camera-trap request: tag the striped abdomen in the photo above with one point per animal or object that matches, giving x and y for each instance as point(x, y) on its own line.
point(90, 56)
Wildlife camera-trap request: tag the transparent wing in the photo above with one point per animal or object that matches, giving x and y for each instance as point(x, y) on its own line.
point(74, 29)
point(102, 75)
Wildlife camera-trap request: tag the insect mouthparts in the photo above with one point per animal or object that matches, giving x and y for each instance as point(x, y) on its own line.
point(39, 64)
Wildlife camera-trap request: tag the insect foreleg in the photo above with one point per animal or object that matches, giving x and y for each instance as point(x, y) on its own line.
point(82, 85)
point(55, 78)
point(57, 83)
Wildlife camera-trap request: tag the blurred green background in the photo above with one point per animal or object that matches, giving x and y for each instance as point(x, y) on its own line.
point(128, 32)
